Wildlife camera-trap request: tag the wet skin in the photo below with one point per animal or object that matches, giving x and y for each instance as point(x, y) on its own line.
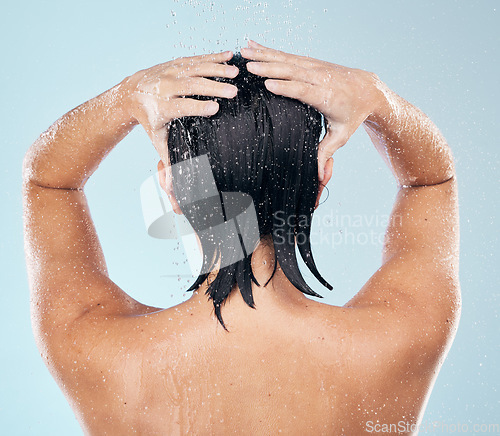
point(291, 365)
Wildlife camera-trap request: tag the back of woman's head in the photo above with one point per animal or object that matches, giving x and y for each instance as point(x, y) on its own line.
point(265, 146)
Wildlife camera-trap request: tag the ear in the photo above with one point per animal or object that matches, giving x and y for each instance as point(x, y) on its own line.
point(166, 183)
point(326, 179)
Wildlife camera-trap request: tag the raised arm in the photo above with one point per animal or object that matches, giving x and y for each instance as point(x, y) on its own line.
point(66, 267)
point(418, 279)
point(421, 248)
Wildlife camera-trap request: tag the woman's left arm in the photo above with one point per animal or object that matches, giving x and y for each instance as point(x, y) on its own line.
point(66, 267)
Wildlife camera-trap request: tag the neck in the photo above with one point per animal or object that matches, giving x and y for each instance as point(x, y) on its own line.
point(279, 292)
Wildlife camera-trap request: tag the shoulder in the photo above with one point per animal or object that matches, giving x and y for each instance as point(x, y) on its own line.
point(407, 337)
point(395, 332)
point(96, 333)
point(106, 353)
point(385, 357)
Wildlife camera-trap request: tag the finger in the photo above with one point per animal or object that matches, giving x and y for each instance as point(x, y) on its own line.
point(187, 107)
point(271, 55)
point(203, 86)
point(280, 70)
point(328, 145)
point(253, 44)
point(206, 69)
point(329, 169)
point(217, 58)
point(325, 170)
point(305, 92)
point(213, 57)
point(322, 160)
point(265, 54)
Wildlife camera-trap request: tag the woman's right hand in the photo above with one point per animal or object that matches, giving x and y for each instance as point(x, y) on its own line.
point(345, 96)
point(155, 96)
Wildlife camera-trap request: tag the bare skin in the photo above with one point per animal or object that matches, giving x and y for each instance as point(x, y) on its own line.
point(292, 365)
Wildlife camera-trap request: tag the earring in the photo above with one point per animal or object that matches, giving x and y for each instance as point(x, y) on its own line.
point(328, 192)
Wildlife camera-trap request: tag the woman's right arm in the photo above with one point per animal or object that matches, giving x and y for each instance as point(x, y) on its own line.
point(408, 140)
point(418, 279)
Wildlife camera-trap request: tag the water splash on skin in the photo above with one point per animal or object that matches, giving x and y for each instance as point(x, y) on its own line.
point(402, 117)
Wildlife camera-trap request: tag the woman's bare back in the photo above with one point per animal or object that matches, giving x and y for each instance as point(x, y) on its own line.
point(292, 364)
point(296, 369)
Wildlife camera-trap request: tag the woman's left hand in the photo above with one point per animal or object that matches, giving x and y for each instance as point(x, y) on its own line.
point(155, 96)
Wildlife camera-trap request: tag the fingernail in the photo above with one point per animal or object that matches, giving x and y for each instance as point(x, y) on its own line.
point(230, 91)
point(321, 174)
point(254, 67)
point(212, 107)
point(232, 71)
point(271, 85)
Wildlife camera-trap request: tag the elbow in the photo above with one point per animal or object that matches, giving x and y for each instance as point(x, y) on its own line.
point(41, 168)
point(29, 165)
point(449, 172)
point(31, 168)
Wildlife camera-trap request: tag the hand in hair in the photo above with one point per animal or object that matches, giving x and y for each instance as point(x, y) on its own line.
point(155, 96)
point(345, 96)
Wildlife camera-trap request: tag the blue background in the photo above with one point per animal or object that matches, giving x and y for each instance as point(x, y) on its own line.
point(442, 56)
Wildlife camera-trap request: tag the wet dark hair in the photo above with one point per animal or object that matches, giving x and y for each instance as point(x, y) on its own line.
point(266, 146)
